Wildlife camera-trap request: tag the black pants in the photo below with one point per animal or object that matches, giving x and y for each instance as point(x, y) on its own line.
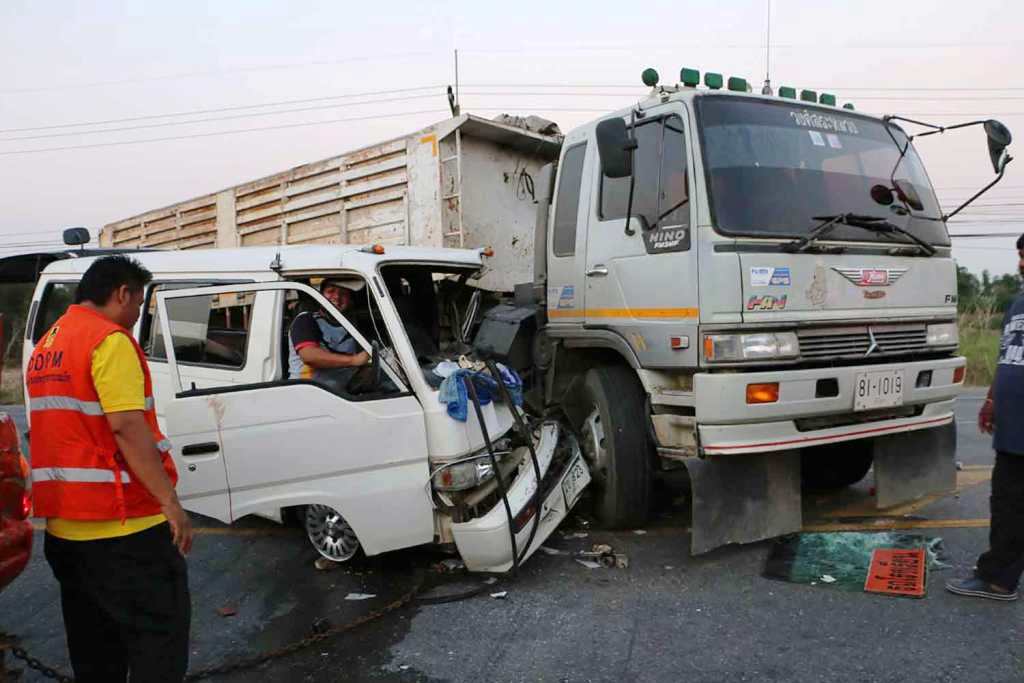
point(126, 606)
point(1003, 563)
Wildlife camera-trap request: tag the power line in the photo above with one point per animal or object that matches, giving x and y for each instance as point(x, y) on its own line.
point(219, 110)
point(223, 132)
point(220, 118)
point(219, 72)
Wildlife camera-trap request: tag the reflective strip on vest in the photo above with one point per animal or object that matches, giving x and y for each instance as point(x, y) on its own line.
point(163, 445)
point(65, 403)
point(86, 475)
point(150, 403)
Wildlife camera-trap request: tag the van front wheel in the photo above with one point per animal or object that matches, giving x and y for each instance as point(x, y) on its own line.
point(616, 446)
point(329, 533)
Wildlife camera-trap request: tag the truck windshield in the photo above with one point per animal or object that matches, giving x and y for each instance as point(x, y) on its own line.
point(773, 166)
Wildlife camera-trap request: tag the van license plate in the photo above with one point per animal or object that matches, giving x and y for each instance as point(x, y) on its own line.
point(879, 389)
point(575, 479)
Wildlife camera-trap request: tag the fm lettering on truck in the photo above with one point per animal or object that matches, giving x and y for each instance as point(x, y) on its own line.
point(766, 303)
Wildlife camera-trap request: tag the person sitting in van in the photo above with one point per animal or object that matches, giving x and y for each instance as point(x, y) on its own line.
point(319, 349)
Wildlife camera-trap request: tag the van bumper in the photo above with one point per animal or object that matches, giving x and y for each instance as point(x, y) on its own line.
point(800, 417)
point(484, 542)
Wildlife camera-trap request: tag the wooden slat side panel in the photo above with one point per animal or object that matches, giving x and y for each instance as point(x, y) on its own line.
point(374, 153)
point(325, 176)
point(316, 228)
point(262, 237)
point(393, 233)
point(378, 214)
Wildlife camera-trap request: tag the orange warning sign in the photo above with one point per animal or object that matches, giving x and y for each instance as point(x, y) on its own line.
point(897, 572)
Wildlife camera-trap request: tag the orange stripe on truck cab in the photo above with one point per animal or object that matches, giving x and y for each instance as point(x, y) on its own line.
point(623, 312)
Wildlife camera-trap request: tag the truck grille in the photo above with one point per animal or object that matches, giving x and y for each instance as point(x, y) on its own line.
point(854, 342)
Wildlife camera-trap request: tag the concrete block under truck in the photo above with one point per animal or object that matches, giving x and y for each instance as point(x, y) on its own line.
point(778, 311)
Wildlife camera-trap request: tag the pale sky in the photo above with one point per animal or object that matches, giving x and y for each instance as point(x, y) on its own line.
point(76, 63)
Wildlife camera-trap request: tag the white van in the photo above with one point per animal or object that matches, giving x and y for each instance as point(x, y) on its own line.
point(379, 465)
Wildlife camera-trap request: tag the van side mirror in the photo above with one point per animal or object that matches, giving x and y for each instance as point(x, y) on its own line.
point(999, 139)
point(615, 148)
point(76, 237)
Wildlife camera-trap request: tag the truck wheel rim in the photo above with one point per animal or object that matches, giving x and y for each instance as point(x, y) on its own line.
point(330, 534)
point(594, 449)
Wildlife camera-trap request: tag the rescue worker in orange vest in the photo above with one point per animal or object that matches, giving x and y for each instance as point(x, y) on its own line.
point(103, 478)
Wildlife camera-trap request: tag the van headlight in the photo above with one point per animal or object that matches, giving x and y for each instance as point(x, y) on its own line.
point(735, 348)
point(463, 475)
point(944, 334)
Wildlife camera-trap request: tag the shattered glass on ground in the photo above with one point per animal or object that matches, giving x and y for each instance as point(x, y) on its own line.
point(842, 556)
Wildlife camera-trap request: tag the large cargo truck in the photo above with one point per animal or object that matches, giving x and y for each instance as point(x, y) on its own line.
point(759, 289)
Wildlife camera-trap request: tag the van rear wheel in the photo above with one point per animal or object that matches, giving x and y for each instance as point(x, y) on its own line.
point(616, 446)
point(835, 466)
point(329, 533)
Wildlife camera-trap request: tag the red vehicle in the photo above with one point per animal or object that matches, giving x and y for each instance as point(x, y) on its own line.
point(15, 505)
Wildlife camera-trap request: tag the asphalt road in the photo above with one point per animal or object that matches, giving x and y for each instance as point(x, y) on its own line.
point(666, 617)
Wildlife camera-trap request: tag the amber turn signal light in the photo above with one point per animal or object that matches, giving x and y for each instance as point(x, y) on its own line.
point(763, 393)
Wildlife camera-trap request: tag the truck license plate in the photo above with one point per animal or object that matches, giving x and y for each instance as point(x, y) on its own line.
point(879, 389)
point(575, 479)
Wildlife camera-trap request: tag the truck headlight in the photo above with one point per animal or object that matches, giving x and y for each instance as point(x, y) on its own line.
point(732, 348)
point(944, 334)
point(463, 475)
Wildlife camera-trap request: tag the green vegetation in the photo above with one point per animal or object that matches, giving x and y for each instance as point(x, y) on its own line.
point(983, 302)
point(14, 302)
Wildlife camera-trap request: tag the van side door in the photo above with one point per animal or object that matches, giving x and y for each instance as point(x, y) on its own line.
point(292, 442)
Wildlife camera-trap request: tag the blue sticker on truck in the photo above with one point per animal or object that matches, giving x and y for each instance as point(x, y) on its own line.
point(767, 276)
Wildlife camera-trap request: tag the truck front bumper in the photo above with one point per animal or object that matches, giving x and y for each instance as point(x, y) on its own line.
point(485, 543)
point(802, 417)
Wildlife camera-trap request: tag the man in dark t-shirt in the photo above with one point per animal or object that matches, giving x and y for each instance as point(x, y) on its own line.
point(1000, 567)
point(321, 350)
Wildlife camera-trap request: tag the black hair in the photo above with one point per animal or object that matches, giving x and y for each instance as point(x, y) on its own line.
point(1020, 243)
point(107, 274)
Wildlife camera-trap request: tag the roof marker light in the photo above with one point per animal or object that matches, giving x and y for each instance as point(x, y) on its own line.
point(737, 84)
point(373, 249)
point(689, 77)
point(487, 251)
point(828, 99)
point(649, 77)
point(808, 96)
point(713, 80)
point(787, 92)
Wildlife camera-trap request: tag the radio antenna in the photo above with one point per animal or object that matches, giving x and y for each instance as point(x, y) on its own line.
point(767, 89)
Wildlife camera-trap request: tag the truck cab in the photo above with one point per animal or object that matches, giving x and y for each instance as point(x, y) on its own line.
point(757, 353)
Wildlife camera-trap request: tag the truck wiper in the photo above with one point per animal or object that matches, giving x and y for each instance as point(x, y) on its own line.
point(829, 224)
point(884, 226)
point(875, 224)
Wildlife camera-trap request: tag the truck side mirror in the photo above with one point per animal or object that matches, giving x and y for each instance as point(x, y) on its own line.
point(615, 148)
point(999, 139)
point(76, 236)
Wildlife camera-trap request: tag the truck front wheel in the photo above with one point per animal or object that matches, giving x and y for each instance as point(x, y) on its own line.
point(835, 466)
point(615, 443)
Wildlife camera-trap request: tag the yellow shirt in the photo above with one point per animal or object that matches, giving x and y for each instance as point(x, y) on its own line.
point(117, 376)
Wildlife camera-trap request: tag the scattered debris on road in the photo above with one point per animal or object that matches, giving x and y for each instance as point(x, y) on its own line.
point(500, 595)
point(359, 596)
point(227, 611)
point(844, 559)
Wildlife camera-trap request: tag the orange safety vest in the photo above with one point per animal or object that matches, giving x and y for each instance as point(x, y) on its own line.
point(77, 469)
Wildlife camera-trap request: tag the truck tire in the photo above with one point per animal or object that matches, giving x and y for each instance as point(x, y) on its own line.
point(615, 443)
point(835, 466)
